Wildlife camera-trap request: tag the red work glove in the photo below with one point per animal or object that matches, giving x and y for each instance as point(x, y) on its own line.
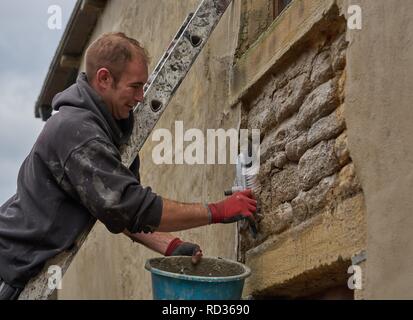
point(241, 205)
point(179, 248)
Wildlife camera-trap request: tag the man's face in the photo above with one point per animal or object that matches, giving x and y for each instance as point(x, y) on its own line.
point(123, 97)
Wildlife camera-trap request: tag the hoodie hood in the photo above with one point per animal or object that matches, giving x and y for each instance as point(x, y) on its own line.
point(82, 95)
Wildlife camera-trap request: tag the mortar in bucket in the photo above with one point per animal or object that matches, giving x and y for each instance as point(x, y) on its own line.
point(176, 278)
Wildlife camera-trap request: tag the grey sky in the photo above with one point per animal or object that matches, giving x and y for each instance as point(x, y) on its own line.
point(27, 47)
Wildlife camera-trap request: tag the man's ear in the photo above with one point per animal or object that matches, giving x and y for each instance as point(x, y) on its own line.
point(103, 78)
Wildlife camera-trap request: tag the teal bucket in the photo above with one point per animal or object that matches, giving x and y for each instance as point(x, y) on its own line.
point(176, 278)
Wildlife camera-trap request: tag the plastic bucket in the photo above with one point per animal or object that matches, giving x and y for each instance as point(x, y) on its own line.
point(175, 278)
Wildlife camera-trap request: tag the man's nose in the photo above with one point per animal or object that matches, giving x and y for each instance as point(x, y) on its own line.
point(139, 95)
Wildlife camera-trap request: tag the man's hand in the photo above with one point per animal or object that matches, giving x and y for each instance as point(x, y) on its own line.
point(240, 205)
point(179, 248)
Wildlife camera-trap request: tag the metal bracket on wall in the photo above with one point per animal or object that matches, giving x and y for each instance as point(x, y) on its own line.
point(359, 257)
point(161, 87)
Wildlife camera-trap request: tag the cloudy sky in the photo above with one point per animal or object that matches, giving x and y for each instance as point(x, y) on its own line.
point(27, 46)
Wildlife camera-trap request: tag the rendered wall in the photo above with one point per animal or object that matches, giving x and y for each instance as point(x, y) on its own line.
point(379, 117)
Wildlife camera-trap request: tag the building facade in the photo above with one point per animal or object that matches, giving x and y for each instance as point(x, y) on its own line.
point(327, 83)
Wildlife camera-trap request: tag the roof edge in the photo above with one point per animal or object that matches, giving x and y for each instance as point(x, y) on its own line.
point(65, 64)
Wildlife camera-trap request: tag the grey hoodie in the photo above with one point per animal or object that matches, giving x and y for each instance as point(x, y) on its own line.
point(72, 174)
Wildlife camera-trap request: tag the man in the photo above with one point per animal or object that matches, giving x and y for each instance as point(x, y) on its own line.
point(74, 173)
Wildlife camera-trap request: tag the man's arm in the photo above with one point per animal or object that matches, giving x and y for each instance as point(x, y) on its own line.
point(157, 241)
point(181, 216)
point(109, 190)
point(167, 244)
point(178, 216)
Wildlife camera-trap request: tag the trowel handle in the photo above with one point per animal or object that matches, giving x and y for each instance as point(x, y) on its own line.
point(253, 229)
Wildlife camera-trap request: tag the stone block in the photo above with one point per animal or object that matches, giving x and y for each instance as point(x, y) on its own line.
point(319, 103)
point(317, 163)
point(309, 203)
point(285, 185)
point(341, 149)
point(288, 100)
point(275, 140)
point(277, 221)
point(258, 112)
point(279, 79)
point(327, 128)
point(339, 61)
point(303, 63)
point(265, 170)
point(268, 147)
point(296, 148)
point(275, 162)
point(269, 120)
point(341, 86)
point(278, 160)
point(264, 197)
point(286, 132)
point(322, 70)
point(293, 262)
point(348, 183)
point(338, 53)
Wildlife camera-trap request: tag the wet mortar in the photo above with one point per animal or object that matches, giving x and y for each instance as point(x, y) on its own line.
point(207, 267)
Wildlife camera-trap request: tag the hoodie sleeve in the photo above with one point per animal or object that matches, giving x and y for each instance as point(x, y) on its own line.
point(110, 191)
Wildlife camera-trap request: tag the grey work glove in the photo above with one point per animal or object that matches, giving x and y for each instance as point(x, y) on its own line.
point(179, 248)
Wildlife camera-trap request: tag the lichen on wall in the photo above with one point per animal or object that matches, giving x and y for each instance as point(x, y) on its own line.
point(256, 16)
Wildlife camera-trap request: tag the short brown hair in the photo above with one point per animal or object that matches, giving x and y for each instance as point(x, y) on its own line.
point(113, 51)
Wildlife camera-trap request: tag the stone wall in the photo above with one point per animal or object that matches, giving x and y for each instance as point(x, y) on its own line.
point(306, 166)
